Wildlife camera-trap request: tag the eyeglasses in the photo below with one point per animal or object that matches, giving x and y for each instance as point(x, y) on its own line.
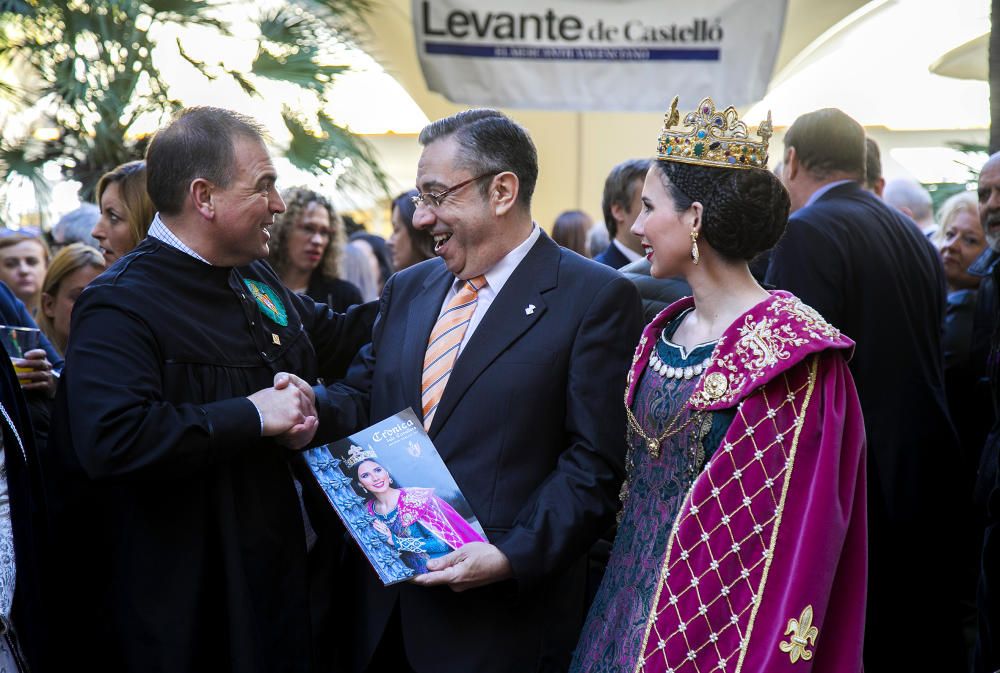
point(434, 200)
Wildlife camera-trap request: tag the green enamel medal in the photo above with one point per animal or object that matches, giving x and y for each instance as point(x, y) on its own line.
point(268, 301)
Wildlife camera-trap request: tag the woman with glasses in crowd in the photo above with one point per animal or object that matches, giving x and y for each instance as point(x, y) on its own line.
point(306, 249)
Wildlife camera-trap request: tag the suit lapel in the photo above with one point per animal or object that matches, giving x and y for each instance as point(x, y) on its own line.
point(506, 320)
point(423, 313)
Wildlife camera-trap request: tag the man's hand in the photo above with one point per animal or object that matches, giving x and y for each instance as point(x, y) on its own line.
point(472, 565)
point(299, 435)
point(40, 378)
point(288, 413)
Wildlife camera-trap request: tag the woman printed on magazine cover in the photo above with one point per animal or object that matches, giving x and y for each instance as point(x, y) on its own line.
point(741, 544)
point(414, 521)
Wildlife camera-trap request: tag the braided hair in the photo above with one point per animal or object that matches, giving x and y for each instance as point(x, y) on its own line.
point(745, 210)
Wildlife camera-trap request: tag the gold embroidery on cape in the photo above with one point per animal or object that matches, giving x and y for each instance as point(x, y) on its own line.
point(803, 634)
point(688, 509)
point(762, 343)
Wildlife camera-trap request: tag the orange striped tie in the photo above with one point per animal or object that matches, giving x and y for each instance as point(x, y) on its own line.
point(443, 345)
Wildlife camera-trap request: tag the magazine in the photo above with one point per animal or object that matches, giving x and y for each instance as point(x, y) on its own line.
point(395, 495)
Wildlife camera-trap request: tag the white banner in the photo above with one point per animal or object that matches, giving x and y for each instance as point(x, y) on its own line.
point(627, 55)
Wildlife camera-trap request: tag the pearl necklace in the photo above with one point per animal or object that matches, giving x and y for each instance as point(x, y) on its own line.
point(686, 373)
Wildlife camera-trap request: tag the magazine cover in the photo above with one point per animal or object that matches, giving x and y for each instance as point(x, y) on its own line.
point(395, 495)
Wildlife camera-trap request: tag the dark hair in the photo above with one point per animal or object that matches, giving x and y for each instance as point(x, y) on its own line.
point(572, 230)
point(873, 163)
point(489, 142)
point(198, 143)
point(744, 210)
point(356, 483)
point(297, 199)
point(828, 141)
point(421, 239)
point(619, 188)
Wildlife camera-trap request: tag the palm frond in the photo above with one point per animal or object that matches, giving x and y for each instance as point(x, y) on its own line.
point(19, 7)
point(200, 66)
point(187, 13)
point(248, 87)
point(335, 151)
point(287, 27)
point(298, 67)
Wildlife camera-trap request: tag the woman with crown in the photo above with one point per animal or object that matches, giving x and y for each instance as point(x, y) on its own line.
point(415, 522)
point(741, 542)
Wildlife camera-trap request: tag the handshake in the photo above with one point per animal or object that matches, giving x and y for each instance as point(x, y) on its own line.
point(288, 411)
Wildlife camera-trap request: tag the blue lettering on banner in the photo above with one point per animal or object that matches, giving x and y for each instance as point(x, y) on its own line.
point(570, 53)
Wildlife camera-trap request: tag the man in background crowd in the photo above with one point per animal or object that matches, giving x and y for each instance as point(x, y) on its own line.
point(871, 273)
point(621, 204)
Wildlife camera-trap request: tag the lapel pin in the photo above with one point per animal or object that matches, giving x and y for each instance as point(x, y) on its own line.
point(529, 309)
point(276, 339)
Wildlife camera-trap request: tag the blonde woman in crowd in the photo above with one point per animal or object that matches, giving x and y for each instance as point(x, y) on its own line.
point(70, 272)
point(126, 210)
point(23, 260)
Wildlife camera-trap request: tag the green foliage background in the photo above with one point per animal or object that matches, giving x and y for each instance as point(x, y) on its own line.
point(88, 66)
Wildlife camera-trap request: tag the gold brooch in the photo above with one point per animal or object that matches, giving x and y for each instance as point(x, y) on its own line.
point(715, 385)
point(803, 634)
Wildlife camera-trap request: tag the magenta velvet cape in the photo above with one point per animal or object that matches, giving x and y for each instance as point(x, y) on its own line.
point(766, 565)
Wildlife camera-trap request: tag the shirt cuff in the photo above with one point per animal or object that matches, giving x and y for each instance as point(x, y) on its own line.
point(259, 415)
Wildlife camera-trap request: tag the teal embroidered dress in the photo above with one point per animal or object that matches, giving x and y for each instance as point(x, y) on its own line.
point(612, 636)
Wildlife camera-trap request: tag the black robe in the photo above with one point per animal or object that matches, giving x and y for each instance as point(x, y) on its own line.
point(177, 528)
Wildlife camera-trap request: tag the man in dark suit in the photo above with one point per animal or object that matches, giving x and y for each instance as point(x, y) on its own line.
point(621, 204)
point(868, 270)
point(986, 348)
point(529, 422)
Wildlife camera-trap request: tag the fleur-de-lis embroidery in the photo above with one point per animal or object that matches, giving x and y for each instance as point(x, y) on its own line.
point(803, 635)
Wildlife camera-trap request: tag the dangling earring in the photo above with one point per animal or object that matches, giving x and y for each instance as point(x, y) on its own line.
point(695, 255)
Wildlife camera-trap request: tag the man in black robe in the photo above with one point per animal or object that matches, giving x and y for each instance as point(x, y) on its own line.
point(179, 536)
point(869, 270)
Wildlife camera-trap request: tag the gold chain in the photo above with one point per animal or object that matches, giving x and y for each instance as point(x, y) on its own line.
point(653, 443)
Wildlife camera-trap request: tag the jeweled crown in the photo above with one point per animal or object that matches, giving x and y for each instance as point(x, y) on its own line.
point(712, 138)
point(358, 455)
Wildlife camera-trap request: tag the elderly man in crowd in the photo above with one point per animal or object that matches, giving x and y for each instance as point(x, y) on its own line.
point(180, 542)
point(914, 200)
point(522, 399)
point(869, 271)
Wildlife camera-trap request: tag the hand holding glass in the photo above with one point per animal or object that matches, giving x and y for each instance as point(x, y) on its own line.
point(19, 340)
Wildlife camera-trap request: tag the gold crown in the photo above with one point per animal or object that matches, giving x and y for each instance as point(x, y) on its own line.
point(358, 455)
point(713, 139)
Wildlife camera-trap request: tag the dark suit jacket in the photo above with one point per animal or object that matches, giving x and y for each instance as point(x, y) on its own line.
point(531, 425)
point(24, 489)
point(612, 257)
point(870, 271)
point(656, 293)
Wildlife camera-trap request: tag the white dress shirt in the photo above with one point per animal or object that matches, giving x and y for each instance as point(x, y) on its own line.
point(495, 280)
point(630, 254)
